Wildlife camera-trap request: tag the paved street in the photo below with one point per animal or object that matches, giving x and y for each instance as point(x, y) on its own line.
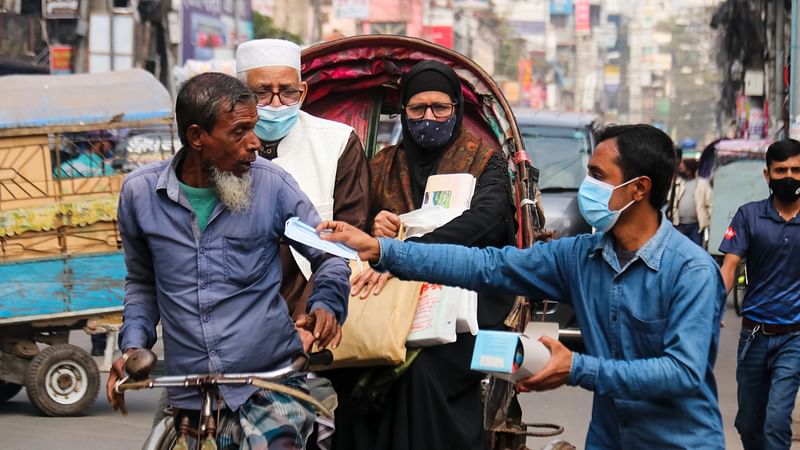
point(20, 428)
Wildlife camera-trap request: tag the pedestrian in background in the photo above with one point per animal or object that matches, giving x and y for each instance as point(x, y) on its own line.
point(767, 234)
point(691, 209)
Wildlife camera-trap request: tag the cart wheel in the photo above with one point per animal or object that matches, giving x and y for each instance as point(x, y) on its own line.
point(62, 380)
point(8, 391)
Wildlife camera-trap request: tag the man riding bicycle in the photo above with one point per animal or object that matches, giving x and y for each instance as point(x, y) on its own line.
point(201, 234)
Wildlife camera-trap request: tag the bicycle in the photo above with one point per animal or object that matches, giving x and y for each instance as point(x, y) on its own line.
point(166, 436)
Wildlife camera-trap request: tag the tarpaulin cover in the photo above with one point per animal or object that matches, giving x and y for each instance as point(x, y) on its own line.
point(34, 101)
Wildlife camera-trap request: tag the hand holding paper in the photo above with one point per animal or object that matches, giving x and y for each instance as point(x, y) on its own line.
point(303, 233)
point(367, 246)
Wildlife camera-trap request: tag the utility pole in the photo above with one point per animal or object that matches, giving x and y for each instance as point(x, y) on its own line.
point(235, 24)
point(780, 25)
point(111, 55)
point(316, 31)
point(794, 89)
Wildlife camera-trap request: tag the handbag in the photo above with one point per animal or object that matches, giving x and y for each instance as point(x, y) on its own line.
point(376, 329)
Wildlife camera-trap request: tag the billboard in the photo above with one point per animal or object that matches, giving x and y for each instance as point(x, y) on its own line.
point(528, 27)
point(439, 34)
point(210, 28)
point(583, 18)
point(560, 7)
point(351, 9)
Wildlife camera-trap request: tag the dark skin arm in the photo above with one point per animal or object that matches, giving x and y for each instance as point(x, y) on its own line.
point(116, 373)
point(319, 326)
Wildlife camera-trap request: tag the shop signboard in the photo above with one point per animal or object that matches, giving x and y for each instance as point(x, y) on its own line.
point(60, 9)
point(60, 59)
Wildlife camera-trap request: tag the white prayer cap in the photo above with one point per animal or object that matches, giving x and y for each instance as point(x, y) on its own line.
point(267, 53)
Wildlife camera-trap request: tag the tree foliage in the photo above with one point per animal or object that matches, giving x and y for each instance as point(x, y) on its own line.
point(264, 28)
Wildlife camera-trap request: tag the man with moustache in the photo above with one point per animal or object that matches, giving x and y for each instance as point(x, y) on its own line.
point(325, 157)
point(766, 234)
point(201, 233)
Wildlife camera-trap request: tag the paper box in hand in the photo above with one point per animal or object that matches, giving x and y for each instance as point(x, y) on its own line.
point(513, 356)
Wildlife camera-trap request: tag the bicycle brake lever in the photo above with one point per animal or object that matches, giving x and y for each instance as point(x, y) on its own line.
point(119, 383)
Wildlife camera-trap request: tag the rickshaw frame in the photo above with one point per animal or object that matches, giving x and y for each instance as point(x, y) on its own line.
point(384, 58)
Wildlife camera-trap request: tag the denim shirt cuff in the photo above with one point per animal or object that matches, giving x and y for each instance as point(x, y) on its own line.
point(384, 245)
point(583, 371)
point(133, 338)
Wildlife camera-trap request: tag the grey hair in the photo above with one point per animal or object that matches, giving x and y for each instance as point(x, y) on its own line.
point(204, 97)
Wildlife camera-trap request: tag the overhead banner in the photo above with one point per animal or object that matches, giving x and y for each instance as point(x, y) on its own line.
point(583, 17)
point(351, 9)
point(60, 9)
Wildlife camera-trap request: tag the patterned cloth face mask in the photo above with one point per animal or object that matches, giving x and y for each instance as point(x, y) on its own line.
point(430, 134)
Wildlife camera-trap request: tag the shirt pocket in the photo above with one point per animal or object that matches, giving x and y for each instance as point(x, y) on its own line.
point(646, 337)
point(245, 259)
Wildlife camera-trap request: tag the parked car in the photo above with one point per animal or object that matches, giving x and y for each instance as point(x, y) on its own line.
point(559, 144)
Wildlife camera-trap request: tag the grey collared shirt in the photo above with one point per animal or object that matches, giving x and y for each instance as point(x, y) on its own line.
point(216, 292)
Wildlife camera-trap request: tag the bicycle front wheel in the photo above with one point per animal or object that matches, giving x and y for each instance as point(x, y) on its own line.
point(162, 436)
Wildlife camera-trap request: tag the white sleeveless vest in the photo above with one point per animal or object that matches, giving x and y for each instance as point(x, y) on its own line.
point(310, 153)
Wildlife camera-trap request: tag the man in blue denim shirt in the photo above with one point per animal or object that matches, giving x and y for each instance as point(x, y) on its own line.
point(201, 233)
point(647, 299)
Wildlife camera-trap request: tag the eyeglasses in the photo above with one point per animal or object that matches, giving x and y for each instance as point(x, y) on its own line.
point(439, 110)
point(287, 97)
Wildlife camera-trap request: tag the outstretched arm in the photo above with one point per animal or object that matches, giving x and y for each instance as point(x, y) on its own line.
point(538, 271)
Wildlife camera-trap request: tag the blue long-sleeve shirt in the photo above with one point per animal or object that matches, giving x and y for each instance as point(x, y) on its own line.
point(651, 328)
point(216, 292)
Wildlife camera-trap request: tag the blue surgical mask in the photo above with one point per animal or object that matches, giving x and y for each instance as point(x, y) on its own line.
point(275, 122)
point(593, 198)
point(430, 134)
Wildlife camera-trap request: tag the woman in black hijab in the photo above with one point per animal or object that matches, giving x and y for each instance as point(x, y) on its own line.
point(434, 403)
point(422, 158)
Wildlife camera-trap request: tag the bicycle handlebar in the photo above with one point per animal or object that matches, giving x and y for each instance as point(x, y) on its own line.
point(263, 380)
point(299, 365)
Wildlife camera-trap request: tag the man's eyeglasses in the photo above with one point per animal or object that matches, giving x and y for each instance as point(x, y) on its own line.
point(287, 97)
point(439, 110)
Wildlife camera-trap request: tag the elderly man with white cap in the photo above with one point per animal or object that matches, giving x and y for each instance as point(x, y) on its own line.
point(326, 158)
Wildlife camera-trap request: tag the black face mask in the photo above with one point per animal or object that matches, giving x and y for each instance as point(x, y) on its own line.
point(786, 189)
